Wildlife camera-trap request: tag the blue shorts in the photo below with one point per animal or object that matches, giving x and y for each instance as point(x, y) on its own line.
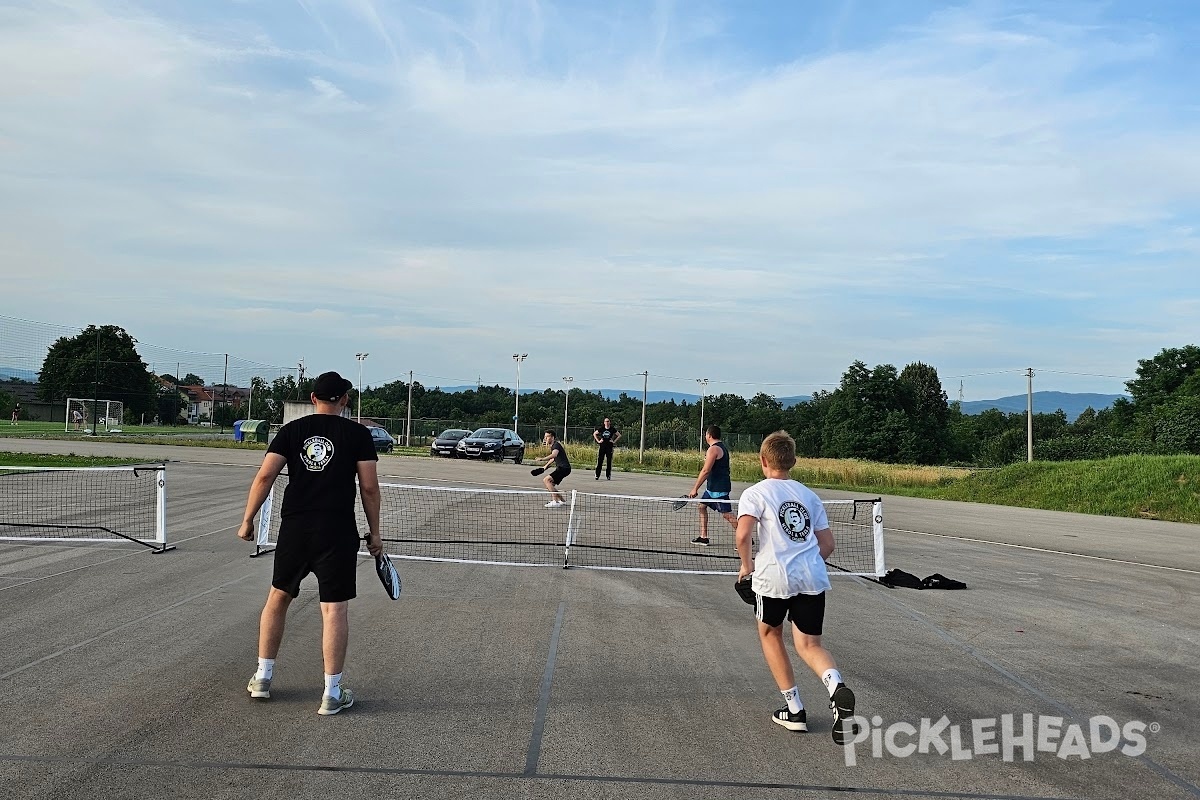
point(720, 508)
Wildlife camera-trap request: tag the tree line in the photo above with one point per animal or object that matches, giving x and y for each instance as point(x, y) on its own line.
point(875, 413)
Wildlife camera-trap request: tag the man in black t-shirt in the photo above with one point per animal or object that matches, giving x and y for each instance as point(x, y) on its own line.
point(324, 453)
point(607, 437)
point(562, 468)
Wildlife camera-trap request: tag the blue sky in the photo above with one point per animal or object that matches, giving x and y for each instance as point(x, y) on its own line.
point(758, 193)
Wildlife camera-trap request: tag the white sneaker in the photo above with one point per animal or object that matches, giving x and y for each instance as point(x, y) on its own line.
point(554, 504)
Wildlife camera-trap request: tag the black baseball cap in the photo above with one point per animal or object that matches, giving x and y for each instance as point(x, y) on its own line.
point(330, 386)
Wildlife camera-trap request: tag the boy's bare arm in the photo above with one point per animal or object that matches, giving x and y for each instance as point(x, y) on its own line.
point(825, 543)
point(743, 539)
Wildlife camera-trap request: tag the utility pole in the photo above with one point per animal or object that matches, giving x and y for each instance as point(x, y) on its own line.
point(408, 415)
point(642, 445)
point(1029, 416)
point(703, 391)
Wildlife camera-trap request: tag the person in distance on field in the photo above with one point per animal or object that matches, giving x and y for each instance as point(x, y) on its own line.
point(714, 473)
point(607, 437)
point(790, 580)
point(324, 453)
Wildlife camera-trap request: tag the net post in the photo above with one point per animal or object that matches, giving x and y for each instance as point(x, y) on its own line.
point(570, 531)
point(161, 507)
point(264, 526)
point(877, 535)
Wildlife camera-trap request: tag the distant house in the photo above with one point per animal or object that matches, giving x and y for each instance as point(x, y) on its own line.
point(200, 403)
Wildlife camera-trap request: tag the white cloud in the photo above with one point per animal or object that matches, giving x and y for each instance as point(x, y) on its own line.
point(627, 198)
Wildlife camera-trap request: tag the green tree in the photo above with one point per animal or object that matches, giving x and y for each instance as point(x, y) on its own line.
point(928, 414)
point(192, 379)
point(102, 363)
point(1172, 370)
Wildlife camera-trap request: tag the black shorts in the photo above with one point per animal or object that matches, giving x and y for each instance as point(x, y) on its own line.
point(327, 548)
point(559, 473)
point(806, 611)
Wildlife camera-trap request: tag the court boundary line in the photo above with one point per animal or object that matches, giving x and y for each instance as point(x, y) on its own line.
point(540, 777)
point(97, 563)
point(104, 634)
point(543, 705)
point(1045, 550)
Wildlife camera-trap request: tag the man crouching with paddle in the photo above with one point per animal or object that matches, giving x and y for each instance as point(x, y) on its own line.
point(324, 453)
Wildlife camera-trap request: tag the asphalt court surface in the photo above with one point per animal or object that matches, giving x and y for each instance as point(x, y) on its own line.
point(124, 672)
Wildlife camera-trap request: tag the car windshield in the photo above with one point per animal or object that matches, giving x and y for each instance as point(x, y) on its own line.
point(488, 433)
point(380, 433)
point(453, 433)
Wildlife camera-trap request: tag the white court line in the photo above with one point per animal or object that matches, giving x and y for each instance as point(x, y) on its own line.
point(1045, 550)
point(121, 627)
point(110, 560)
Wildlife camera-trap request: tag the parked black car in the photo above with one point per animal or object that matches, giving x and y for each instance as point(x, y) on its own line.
point(446, 441)
point(494, 443)
point(382, 439)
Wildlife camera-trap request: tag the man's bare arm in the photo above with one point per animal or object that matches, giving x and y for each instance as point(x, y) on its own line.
point(368, 489)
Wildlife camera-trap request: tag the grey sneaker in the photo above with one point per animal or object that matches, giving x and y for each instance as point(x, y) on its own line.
point(332, 705)
point(259, 688)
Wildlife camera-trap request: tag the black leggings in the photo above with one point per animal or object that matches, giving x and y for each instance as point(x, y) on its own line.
point(606, 452)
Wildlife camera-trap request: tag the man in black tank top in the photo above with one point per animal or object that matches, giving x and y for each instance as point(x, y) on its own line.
point(715, 473)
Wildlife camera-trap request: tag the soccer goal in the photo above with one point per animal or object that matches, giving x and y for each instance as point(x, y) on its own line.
point(107, 414)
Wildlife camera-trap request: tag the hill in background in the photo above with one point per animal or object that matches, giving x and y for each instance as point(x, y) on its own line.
point(1072, 404)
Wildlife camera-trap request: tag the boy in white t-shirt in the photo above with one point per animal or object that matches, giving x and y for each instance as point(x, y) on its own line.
point(790, 580)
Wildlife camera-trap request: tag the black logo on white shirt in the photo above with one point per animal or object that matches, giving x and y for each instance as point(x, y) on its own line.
point(794, 519)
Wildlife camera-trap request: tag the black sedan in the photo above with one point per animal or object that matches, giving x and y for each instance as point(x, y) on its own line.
point(492, 443)
point(446, 441)
point(382, 439)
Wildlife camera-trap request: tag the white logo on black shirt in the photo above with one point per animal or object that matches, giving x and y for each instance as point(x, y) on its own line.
point(316, 453)
point(794, 518)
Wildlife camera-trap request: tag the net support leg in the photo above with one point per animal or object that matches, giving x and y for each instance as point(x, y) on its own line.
point(262, 540)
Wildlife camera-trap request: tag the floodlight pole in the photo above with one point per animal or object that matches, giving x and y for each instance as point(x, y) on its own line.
point(408, 413)
point(703, 391)
point(568, 380)
point(518, 357)
point(361, 358)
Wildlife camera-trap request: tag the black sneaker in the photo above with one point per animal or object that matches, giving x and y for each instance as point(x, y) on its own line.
point(700, 540)
point(597, 477)
point(842, 703)
point(793, 722)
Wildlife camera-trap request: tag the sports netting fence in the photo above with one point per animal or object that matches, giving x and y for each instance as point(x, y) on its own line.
point(594, 531)
point(85, 504)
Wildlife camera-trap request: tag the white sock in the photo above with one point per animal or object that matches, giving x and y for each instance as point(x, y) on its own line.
point(333, 685)
point(266, 668)
point(792, 696)
point(831, 678)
